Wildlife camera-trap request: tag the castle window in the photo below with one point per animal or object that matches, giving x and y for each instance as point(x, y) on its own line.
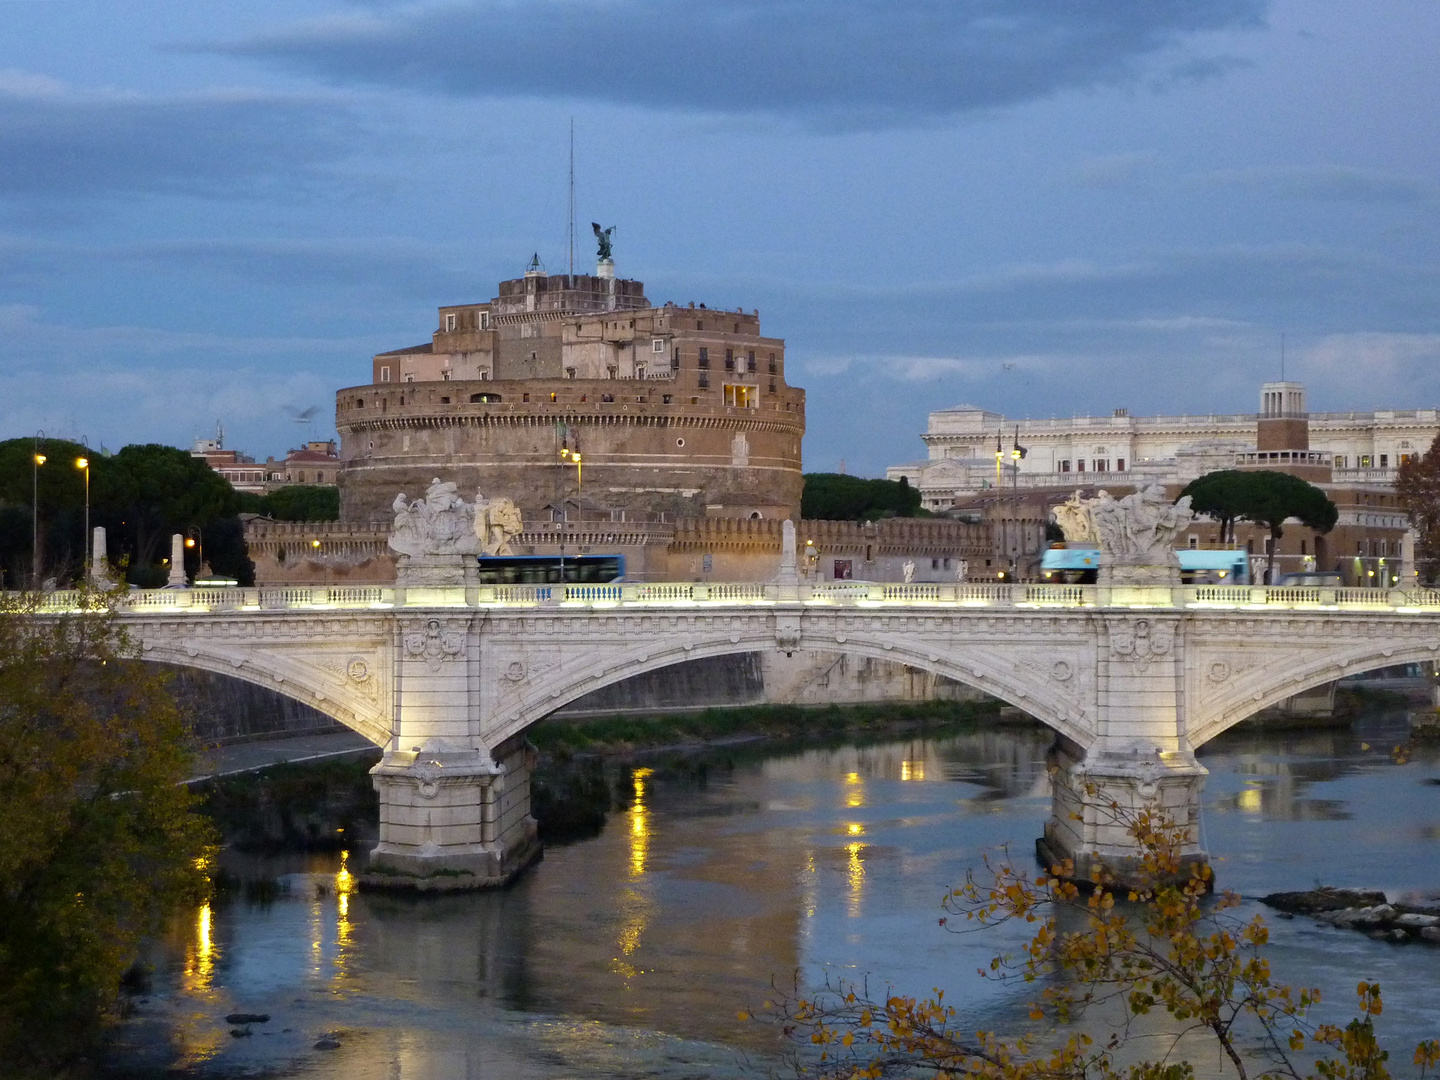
point(450, 322)
point(610, 371)
point(1364, 461)
point(444, 401)
point(699, 326)
point(658, 345)
point(1384, 461)
point(410, 377)
point(772, 386)
point(774, 369)
point(665, 399)
point(484, 399)
point(729, 359)
point(704, 357)
point(750, 361)
point(445, 375)
point(1339, 461)
point(385, 373)
point(524, 397)
point(741, 396)
point(1120, 464)
point(359, 402)
point(1065, 465)
point(484, 320)
point(569, 374)
point(1080, 465)
point(704, 383)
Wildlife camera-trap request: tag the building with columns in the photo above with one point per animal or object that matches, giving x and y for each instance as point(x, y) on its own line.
point(1362, 449)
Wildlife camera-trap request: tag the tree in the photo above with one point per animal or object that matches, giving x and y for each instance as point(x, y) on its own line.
point(1417, 486)
point(298, 502)
point(147, 492)
point(1269, 499)
point(59, 489)
point(838, 497)
point(98, 837)
point(1166, 949)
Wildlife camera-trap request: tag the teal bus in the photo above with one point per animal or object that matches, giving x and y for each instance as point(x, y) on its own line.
point(1198, 566)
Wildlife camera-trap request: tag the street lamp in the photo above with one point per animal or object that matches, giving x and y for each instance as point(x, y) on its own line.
point(566, 454)
point(37, 459)
point(84, 463)
point(198, 543)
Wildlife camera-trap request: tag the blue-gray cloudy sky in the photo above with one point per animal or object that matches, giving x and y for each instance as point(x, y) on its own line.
point(1044, 207)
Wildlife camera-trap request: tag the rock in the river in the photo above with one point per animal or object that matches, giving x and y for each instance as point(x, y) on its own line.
point(327, 1044)
point(1430, 934)
point(248, 1018)
point(1397, 935)
point(1314, 901)
point(1414, 921)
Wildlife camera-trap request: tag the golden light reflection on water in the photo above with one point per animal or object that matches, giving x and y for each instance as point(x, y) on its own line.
point(639, 824)
point(637, 907)
point(1249, 800)
point(855, 791)
point(855, 874)
point(344, 929)
point(912, 769)
point(200, 956)
point(200, 1040)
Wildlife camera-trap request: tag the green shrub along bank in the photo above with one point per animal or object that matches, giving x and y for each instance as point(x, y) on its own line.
point(790, 723)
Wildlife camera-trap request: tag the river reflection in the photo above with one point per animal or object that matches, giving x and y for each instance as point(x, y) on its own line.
point(629, 954)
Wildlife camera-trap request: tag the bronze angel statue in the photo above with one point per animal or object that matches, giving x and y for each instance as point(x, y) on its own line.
point(603, 235)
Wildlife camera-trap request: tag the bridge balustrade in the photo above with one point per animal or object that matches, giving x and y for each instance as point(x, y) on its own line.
point(841, 593)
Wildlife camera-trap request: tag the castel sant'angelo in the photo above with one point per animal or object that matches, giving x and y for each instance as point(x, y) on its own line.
point(687, 434)
point(676, 411)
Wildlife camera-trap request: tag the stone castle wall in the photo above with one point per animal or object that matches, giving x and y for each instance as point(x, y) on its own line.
point(646, 446)
point(694, 549)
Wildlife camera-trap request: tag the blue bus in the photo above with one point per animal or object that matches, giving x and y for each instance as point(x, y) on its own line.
point(547, 569)
point(1198, 566)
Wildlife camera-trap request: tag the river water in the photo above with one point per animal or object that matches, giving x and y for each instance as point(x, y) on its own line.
point(630, 954)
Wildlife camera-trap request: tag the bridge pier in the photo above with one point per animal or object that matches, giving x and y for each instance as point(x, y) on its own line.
point(1096, 794)
point(453, 817)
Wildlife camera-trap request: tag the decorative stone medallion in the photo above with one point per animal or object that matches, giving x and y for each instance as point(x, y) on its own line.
point(434, 644)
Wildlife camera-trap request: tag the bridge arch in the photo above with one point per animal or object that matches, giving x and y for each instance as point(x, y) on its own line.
point(292, 679)
point(983, 669)
point(1287, 676)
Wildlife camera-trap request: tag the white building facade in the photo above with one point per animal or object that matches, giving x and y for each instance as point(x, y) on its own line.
point(1364, 448)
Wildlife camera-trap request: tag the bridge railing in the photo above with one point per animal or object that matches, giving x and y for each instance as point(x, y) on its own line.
point(828, 593)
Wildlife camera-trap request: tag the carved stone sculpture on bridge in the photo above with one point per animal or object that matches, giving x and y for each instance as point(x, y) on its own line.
point(497, 522)
point(441, 523)
point(1136, 534)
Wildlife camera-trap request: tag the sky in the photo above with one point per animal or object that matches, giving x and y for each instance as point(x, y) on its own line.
point(217, 213)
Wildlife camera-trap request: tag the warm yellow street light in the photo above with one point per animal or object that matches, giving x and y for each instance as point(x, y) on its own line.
point(35, 514)
point(84, 463)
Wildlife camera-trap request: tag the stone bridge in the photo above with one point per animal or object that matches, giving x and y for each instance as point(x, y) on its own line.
point(447, 680)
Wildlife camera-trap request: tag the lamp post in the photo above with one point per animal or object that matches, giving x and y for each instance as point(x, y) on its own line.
point(84, 464)
point(36, 460)
point(567, 455)
point(198, 543)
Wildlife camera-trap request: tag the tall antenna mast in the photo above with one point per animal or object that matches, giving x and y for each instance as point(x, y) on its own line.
point(1282, 355)
point(572, 196)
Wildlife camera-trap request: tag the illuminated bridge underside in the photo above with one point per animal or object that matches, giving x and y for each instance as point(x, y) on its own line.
point(447, 681)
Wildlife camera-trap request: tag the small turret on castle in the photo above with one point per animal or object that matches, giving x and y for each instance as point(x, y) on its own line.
point(678, 411)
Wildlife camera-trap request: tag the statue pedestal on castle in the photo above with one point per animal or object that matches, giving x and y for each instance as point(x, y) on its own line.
point(454, 812)
point(1140, 760)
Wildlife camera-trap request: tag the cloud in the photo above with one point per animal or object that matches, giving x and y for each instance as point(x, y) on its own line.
point(852, 62)
point(1329, 183)
point(56, 141)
